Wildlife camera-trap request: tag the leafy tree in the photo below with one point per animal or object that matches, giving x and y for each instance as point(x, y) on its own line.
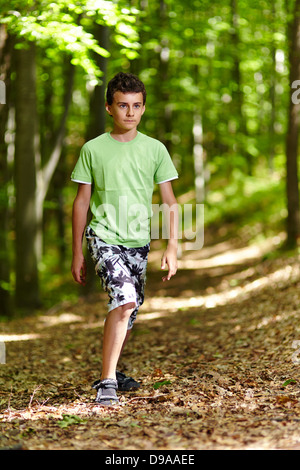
point(59, 29)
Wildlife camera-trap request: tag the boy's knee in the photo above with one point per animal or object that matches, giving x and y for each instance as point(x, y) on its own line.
point(124, 311)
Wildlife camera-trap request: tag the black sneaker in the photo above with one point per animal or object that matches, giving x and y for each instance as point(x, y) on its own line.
point(125, 384)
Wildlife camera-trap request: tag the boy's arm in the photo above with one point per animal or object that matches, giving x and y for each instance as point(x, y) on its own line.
point(170, 254)
point(79, 217)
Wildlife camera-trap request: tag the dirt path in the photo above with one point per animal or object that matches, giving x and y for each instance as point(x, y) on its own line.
point(216, 350)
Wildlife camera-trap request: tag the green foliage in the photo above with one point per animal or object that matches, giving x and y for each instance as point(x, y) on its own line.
point(157, 385)
point(69, 420)
point(288, 382)
point(245, 198)
point(62, 26)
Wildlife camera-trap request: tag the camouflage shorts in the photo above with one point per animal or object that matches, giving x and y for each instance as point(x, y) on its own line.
point(122, 271)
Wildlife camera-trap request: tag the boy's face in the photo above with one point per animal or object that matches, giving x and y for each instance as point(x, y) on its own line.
point(126, 110)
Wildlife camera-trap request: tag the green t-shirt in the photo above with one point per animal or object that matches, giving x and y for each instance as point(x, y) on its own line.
point(122, 175)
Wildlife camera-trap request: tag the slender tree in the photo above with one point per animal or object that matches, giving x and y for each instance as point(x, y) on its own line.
point(96, 125)
point(5, 68)
point(292, 138)
point(27, 282)
point(54, 29)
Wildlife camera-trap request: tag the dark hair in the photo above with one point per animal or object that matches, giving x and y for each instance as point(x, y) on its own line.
point(126, 83)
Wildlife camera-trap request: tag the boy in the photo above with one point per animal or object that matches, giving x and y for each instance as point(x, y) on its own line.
point(115, 172)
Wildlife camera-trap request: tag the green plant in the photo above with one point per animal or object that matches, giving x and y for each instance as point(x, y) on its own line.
point(69, 420)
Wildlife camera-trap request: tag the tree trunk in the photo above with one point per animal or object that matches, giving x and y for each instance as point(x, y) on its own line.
point(272, 98)
point(5, 66)
point(97, 114)
point(165, 119)
point(45, 172)
point(292, 188)
point(198, 155)
point(237, 95)
point(96, 127)
point(27, 284)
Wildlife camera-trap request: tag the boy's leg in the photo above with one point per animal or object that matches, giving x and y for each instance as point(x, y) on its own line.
point(125, 341)
point(122, 273)
point(115, 333)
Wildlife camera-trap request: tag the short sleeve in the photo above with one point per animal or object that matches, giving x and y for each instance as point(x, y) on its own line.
point(165, 169)
point(82, 172)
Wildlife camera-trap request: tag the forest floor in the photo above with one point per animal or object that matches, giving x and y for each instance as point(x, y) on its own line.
point(215, 349)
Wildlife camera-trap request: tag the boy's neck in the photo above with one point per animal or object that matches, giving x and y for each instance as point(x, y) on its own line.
point(125, 136)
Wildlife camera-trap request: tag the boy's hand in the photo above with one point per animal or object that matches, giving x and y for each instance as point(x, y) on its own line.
point(169, 258)
point(79, 269)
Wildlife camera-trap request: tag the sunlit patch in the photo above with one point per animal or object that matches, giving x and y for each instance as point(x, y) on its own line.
point(14, 337)
point(52, 320)
point(273, 319)
point(42, 411)
point(150, 316)
point(283, 275)
point(42, 322)
point(224, 255)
